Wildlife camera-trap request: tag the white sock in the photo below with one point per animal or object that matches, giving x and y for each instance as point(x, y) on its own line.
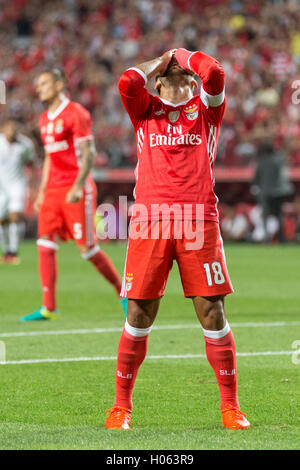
point(13, 231)
point(4, 238)
point(138, 332)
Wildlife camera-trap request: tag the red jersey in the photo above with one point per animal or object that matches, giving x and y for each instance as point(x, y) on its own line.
point(61, 131)
point(176, 144)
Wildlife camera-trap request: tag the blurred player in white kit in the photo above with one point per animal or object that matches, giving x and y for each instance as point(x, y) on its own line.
point(16, 151)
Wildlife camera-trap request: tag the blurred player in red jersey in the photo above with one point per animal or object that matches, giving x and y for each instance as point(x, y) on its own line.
point(67, 196)
point(177, 135)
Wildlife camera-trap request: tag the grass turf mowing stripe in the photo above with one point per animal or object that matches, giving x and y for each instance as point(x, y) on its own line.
point(168, 356)
point(161, 327)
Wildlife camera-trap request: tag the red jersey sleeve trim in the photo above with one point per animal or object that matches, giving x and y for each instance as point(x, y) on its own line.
point(189, 60)
point(139, 71)
point(132, 82)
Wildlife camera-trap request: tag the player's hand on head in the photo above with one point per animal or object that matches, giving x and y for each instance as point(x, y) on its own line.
point(182, 55)
point(75, 194)
point(165, 60)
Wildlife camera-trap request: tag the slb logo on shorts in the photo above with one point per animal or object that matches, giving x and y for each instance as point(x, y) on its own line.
point(129, 279)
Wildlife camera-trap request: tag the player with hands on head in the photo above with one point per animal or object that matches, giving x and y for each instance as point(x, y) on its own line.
point(177, 134)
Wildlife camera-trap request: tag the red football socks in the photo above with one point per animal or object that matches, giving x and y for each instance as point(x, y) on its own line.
point(220, 352)
point(48, 272)
point(131, 354)
point(105, 267)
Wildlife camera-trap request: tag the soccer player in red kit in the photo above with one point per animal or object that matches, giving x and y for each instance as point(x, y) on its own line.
point(177, 136)
point(67, 196)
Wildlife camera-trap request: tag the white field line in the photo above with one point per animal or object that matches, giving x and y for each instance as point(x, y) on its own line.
point(167, 356)
point(161, 327)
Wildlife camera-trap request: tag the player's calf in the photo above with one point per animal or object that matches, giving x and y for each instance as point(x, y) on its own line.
point(210, 311)
point(48, 275)
point(103, 265)
point(131, 354)
point(221, 355)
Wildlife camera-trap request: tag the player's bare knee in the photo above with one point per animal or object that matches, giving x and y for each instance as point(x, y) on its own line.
point(137, 317)
point(14, 217)
point(88, 252)
point(215, 318)
point(84, 249)
point(141, 313)
point(213, 313)
point(54, 238)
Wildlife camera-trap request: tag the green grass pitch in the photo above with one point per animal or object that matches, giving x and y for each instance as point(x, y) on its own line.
point(61, 405)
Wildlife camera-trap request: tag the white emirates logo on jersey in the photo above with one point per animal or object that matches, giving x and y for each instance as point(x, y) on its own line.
point(56, 146)
point(174, 136)
point(156, 140)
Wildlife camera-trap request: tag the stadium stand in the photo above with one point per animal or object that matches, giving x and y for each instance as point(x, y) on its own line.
point(258, 43)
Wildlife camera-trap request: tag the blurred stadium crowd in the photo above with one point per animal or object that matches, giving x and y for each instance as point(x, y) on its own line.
point(94, 41)
point(258, 43)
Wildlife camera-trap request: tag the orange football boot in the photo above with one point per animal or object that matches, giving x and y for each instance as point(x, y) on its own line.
point(119, 418)
point(233, 418)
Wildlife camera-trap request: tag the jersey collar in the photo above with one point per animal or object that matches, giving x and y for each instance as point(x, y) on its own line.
point(168, 103)
point(61, 107)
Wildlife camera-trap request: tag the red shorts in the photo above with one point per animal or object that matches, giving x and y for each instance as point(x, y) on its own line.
point(69, 220)
point(197, 247)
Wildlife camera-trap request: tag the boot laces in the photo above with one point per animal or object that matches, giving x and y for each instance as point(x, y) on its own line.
point(117, 411)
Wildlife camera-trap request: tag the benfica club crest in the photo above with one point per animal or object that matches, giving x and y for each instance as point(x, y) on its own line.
point(59, 126)
point(191, 112)
point(50, 127)
point(173, 116)
point(129, 279)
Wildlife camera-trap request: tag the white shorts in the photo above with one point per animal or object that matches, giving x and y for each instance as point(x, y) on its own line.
point(12, 199)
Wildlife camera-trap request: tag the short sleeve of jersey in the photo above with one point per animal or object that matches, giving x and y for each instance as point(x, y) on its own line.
point(81, 124)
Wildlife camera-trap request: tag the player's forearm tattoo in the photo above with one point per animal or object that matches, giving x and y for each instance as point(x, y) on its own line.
point(87, 152)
